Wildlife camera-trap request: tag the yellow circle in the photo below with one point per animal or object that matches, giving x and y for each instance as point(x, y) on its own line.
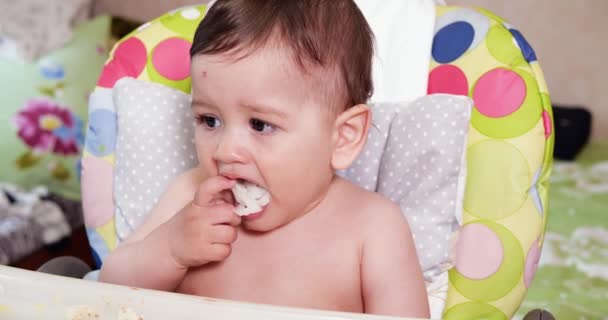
point(498, 179)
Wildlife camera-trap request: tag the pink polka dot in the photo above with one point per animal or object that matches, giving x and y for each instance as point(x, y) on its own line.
point(499, 93)
point(96, 191)
point(129, 61)
point(547, 124)
point(531, 263)
point(171, 58)
point(479, 252)
point(448, 79)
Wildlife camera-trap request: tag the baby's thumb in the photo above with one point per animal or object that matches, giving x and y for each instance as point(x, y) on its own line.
point(213, 191)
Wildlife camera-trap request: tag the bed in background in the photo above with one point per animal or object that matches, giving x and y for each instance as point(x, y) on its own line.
point(572, 279)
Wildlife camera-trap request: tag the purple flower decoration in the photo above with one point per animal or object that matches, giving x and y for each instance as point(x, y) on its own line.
point(46, 126)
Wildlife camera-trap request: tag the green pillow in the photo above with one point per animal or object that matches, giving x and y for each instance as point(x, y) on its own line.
point(44, 109)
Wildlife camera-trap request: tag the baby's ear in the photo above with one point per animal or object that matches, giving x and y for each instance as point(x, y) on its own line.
point(350, 135)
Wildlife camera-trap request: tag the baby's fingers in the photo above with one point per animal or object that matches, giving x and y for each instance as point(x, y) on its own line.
point(219, 252)
point(223, 234)
point(223, 214)
point(211, 190)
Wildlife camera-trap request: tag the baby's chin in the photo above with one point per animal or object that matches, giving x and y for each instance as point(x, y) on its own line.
point(262, 222)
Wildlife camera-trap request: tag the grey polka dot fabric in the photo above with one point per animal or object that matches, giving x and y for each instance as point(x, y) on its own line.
point(154, 144)
point(415, 156)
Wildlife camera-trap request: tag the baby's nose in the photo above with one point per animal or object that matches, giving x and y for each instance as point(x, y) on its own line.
point(230, 149)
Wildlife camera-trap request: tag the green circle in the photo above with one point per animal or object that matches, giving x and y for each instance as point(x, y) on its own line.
point(504, 280)
point(502, 46)
point(517, 123)
point(474, 310)
point(498, 179)
point(182, 85)
point(175, 22)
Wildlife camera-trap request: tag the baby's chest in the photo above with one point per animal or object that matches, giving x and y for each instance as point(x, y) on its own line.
point(318, 275)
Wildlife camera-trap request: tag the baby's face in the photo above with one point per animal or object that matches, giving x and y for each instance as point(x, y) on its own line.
point(259, 120)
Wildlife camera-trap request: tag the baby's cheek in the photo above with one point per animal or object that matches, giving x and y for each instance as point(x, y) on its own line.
point(203, 147)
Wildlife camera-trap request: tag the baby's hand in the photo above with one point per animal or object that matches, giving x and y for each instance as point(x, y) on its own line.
point(205, 229)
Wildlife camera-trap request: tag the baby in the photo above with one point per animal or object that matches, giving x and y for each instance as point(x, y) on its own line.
point(278, 92)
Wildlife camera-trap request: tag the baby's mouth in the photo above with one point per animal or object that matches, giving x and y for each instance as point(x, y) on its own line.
point(250, 198)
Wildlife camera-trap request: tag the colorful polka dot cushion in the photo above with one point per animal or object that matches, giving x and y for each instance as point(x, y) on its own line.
point(510, 144)
point(509, 159)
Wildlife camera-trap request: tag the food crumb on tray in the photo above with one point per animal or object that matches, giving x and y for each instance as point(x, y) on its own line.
point(81, 312)
point(128, 314)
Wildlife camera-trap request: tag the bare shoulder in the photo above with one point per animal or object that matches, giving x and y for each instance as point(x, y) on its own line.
point(371, 210)
point(391, 279)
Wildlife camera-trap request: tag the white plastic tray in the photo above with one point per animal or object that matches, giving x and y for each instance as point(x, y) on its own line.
point(32, 295)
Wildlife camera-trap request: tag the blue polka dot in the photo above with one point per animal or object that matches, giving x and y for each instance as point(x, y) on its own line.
point(526, 49)
point(452, 41)
point(101, 133)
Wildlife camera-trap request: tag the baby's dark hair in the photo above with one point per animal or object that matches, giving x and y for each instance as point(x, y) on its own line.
point(330, 34)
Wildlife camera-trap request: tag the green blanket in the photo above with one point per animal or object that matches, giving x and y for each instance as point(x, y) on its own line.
point(572, 279)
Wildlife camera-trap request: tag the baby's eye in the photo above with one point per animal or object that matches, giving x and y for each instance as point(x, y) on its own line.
point(261, 126)
point(210, 122)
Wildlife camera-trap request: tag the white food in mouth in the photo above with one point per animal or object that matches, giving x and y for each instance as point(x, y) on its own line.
point(250, 198)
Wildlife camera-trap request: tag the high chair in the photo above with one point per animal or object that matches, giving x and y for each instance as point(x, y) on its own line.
point(476, 54)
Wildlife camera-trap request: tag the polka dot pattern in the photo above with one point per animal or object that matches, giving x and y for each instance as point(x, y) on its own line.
point(448, 79)
point(522, 118)
point(169, 64)
point(479, 252)
point(489, 164)
point(171, 59)
point(547, 124)
point(495, 101)
point(147, 158)
point(129, 60)
point(452, 41)
point(512, 118)
point(456, 32)
point(503, 280)
point(532, 260)
point(503, 48)
point(413, 157)
point(191, 14)
point(523, 44)
point(184, 21)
